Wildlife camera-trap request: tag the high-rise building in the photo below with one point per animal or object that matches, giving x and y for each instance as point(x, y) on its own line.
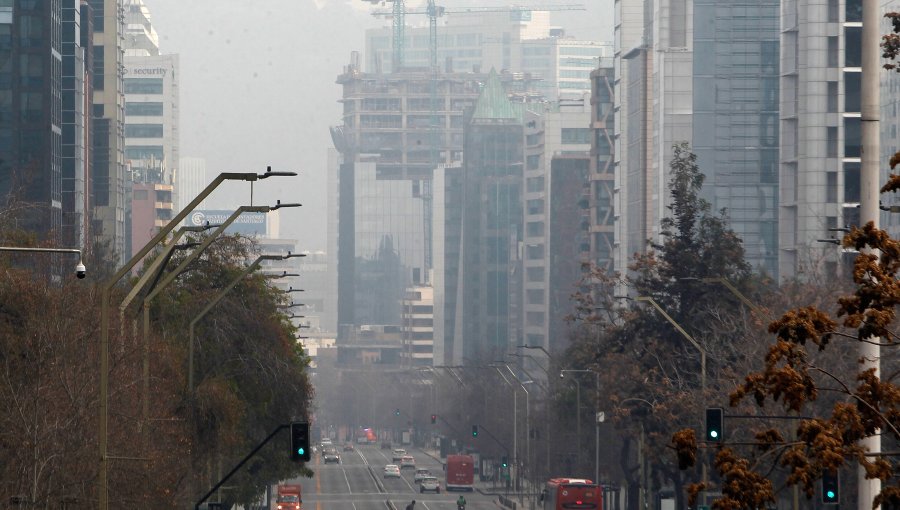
point(390, 141)
point(108, 124)
point(75, 88)
point(820, 131)
point(555, 233)
point(31, 109)
point(418, 326)
point(151, 124)
point(602, 222)
point(489, 293)
point(703, 72)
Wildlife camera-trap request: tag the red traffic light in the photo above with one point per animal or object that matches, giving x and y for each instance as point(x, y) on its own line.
point(433, 419)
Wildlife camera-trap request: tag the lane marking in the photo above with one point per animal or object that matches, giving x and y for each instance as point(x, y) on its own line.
point(344, 471)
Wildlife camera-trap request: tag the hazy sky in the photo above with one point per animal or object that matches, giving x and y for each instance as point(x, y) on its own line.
point(258, 88)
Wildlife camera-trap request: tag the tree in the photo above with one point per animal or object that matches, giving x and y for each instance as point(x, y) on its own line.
point(805, 374)
point(650, 373)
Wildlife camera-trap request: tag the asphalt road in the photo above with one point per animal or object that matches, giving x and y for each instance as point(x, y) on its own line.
point(357, 483)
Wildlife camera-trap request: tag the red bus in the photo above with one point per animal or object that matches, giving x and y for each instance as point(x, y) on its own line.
point(562, 493)
point(460, 473)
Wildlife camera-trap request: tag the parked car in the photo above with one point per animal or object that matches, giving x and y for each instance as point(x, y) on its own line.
point(407, 461)
point(430, 484)
point(398, 454)
point(392, 471)
point(420, 474)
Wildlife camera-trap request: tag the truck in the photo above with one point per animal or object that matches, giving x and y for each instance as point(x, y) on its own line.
point(288, 497)
point(460, 473)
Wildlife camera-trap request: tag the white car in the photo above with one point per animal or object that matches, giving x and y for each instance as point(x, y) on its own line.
point(398, 454)
point(420, 474)
point(392, 471)
point(407, 461)
point(430, 484)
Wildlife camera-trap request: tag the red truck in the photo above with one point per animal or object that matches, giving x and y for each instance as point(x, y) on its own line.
point(460, 473)
point(288, 497)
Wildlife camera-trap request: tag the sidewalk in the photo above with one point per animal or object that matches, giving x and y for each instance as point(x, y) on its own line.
point(506, 498)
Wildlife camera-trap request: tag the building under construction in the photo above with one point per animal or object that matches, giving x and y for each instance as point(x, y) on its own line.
point(397, 128)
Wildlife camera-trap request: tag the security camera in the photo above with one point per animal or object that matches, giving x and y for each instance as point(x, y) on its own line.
point(80, 271)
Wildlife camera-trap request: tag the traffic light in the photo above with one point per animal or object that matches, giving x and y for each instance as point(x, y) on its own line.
point(831, 487)
point(715, 420)
point(474, 430)
point(433, 419)
point(397, 412)
point(300, 450)
point(503, 462)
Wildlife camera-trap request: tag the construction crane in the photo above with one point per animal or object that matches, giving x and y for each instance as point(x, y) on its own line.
point(398, 21)
point(398, 24)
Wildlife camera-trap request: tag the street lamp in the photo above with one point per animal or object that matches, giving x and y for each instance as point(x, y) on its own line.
point(496, 365)
point(291, 289)
point(734, 290)
point(644, 484)
point(106, 290)
point(284, 274)
point(80, 270)
point(684, 333)
point(255, 264)
point(562, 374)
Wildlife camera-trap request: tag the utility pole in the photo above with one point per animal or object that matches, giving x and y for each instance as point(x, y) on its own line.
point(869, 211)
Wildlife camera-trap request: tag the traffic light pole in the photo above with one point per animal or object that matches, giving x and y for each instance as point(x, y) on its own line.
point(239, 465)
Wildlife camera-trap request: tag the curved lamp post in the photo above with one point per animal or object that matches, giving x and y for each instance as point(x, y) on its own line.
point(106, 289)
point(252, 267)
point(562, 373)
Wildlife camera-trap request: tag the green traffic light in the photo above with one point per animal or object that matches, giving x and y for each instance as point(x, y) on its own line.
point(300, 451)
point(830, 494)
point(713, 434)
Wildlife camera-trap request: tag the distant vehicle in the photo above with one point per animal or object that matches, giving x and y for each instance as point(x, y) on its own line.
point(365, 436)
point(398, 454)
point(460, 473)
point(407, 461)
point(430, 484)
point(420, 474)
point(348, 447)
point(332, 457)
point(325, 442)
point(562, 493)
point(392, 471)
point(288, 497)
point(328, 450)
point(386, 445)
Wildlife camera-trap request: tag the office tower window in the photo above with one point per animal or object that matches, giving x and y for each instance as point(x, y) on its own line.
point(143, 86)
point(852, 137)
point(833, 51)
point(831, 141)
point(144, 109)
point(851, 182)
point(832, 99)
point(834, 11)
point(853, 51)
point(853, 11)
point(831, 187)
point(852, 96)
point(143, 130)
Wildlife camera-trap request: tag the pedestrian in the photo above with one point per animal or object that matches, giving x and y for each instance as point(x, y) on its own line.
point(411, 506)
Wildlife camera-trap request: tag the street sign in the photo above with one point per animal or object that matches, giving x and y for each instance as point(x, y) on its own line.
point(601, 416)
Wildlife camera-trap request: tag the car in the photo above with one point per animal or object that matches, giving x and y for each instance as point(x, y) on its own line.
point(386, 445)
point(407, 461)
point(332, 457)
point(348, 447)
point(430, 484)
point(392, 471)
point(420, 474)
point(328, 450)
point(397, 454)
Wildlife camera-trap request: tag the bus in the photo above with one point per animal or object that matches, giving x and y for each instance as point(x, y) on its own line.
point(460, 473)
point(365, 435)
point(568, 493)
